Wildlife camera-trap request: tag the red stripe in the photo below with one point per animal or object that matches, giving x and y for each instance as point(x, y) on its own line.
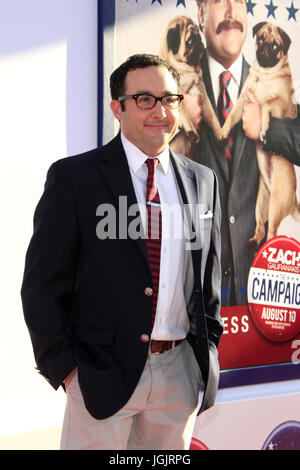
point(227, 106)
point(152, 248)
point(153, 241)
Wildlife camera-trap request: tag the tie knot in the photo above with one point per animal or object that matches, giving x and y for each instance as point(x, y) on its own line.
point(225, 78)
point(152, 164)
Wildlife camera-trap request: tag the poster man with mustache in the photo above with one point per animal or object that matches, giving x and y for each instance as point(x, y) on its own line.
point(224, 25)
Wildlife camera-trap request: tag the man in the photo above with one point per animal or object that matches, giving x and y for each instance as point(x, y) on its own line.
point(224, 25)
point(129, 323)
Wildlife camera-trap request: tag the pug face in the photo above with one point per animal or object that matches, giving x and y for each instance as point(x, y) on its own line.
point(184, 41)
point(272, 43)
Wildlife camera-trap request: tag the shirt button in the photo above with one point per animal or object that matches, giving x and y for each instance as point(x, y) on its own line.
point(232, 219)
point(148, 291)
point(145, 338)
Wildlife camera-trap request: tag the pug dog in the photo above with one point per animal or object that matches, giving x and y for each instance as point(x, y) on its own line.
point(181, 45)
point(270, 81)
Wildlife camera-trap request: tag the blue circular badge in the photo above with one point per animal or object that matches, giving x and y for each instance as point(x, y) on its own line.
point(286, 436)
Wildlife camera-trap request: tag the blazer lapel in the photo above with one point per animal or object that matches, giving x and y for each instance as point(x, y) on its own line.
point(113, 165)
point(218, 150)
point(186, 178)
point(240, 137)
point(188, 185)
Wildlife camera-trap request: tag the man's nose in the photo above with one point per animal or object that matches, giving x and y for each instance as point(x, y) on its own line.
point(158, 111)
point(230, 7)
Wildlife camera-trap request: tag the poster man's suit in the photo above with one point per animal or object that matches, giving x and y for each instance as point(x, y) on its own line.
point(238, 182)
point(85, 299)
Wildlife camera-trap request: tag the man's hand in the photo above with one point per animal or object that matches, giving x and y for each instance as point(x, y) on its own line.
point(252, 118)
point(69, 377)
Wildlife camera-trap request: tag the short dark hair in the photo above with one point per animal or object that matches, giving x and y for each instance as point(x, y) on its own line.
point(137, 61)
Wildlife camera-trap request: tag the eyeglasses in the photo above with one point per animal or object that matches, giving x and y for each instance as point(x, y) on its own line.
point(147, 101)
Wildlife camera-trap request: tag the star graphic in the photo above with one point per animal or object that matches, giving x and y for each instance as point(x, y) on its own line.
point(250, 6)
point(159, 1)
point(225, 292)
point(265, 254)
point(292, 12)
point(271, 9)
point(180, 2)
point(271, 446)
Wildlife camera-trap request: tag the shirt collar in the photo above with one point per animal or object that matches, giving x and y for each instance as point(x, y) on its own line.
point(216, 69)
point(136, 158)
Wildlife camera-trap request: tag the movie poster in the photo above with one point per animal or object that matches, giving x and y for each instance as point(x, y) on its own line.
point(260, 262)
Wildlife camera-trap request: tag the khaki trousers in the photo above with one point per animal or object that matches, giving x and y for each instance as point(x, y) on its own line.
point(160, 414)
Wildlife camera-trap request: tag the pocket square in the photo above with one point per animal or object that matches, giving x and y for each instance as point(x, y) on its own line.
point(207, 215)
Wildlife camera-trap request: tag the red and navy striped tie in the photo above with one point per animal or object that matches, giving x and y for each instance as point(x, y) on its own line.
point(154, 228)
point(225, 105)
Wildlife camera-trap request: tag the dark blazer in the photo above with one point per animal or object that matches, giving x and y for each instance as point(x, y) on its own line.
point(238, 184)
point(84, 298)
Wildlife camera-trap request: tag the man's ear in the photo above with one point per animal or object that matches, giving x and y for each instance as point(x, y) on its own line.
point(116, 108)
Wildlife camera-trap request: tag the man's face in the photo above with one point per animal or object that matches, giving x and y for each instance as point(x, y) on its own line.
point(224, 24)
point(149, 130)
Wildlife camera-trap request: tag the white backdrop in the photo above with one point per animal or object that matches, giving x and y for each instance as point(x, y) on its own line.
point(48, 110)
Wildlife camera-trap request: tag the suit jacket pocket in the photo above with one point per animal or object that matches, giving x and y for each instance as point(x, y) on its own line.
point(89, 334)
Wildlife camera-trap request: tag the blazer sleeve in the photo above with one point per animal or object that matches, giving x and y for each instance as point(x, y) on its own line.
point(212, 276)
point(283, 138)
point(49, 277)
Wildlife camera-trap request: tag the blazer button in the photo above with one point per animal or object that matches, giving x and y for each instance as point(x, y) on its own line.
point(227, 271)
point(145, 338)
point(148, 291)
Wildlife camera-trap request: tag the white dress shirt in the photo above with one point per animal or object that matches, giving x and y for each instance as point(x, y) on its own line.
point(171, 320)
point(216, 69)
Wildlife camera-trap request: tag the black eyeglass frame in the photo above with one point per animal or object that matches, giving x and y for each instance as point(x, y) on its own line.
point(157, 98)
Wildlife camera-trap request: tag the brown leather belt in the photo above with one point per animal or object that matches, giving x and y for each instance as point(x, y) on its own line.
point(158, 347)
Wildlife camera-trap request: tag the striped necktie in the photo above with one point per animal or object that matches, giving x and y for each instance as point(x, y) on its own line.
point(154, 227)
point(224, 107)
